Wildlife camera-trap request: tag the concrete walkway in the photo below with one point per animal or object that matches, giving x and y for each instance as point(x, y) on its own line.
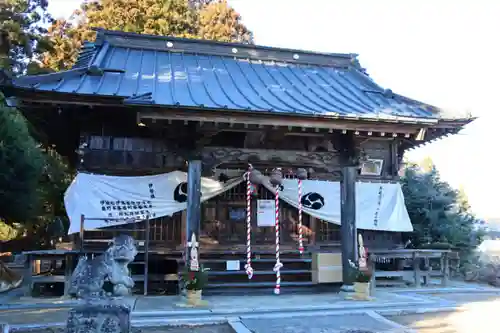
point(250, 311)
point(166, 309)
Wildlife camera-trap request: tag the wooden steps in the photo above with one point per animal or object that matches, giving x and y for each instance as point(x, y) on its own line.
point(296, 271)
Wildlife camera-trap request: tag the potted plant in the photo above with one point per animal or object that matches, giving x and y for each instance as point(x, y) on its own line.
point(362, 278)
point(194, 282)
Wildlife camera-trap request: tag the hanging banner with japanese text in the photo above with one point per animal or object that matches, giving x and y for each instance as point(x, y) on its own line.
point(120, 200)
point(379, 206)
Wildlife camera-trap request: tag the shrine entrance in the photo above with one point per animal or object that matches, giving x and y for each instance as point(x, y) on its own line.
point(223, 224)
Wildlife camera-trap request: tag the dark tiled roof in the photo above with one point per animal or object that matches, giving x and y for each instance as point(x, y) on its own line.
point(200, 74)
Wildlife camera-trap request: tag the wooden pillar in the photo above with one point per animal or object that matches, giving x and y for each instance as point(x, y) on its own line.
point(348, 149)
point(193, 213)
point(416, 269)
point(348, 222)
point(445, 267)
point(28, 276)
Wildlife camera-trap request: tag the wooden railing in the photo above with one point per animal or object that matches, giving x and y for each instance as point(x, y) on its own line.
point(421, 269)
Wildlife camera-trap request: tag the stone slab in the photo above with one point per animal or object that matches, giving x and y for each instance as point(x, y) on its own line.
point(52, 303)
point(153, 306)
point(34, 316)
point(318, 324)
point(238, 326)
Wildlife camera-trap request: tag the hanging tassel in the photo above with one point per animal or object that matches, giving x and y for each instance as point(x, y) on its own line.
point(276, 180)
point(301, 175)
point(248, 266)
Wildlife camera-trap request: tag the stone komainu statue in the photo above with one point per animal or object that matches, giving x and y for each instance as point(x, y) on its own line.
point(90, 274)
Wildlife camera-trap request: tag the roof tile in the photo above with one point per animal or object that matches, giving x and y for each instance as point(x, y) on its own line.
point(216, 80)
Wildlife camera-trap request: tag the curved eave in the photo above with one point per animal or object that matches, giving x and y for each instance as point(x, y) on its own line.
point(32, 95)
point(445, 128)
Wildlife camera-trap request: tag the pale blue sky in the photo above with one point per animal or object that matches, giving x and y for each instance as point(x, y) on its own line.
point(441, 52)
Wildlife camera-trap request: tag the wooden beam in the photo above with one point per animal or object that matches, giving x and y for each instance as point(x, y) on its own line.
point(213, 156)
point(279, 120)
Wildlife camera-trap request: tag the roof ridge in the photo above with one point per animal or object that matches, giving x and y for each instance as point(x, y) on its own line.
point(102, 33)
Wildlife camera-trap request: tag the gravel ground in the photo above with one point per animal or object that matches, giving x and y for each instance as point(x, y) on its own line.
point(179, 329)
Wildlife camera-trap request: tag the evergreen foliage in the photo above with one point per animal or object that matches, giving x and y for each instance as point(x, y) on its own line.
point(207, 19)
point(439, 213)
point(32, 177)
point(22, 35)
point(21, 165)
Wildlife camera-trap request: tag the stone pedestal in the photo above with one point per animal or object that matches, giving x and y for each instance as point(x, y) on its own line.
point(99, 316)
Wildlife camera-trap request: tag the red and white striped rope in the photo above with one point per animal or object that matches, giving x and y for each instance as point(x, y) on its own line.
point(248, 266)
point(278, 265)
point(301, 241)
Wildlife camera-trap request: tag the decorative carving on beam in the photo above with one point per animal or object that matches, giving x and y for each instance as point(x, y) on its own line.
point(215, 156)
point(350, 152)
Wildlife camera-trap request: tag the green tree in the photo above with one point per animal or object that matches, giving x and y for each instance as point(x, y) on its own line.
point(208, 19)
point(22, 36)
point(156, 17)
point(31, 182)
point(21, 165)
point(67, 38)
point(218, 21)
point(436, 210)
point(33, 179)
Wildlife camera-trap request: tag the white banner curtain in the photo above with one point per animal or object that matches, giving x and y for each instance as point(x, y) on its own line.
point(379, 206)
point(132, 198)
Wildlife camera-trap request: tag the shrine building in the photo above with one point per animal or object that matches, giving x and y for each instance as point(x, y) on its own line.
point(163, 131)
